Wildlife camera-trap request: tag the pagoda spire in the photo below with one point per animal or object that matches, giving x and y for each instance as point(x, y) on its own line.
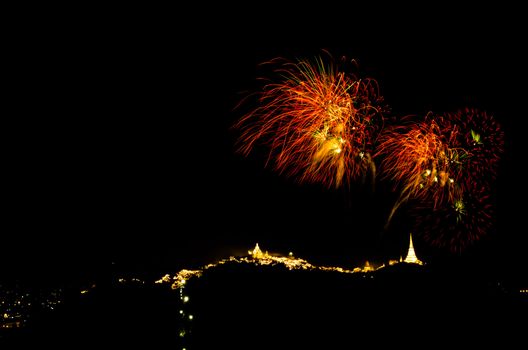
point(256, 253)
point(411, 255)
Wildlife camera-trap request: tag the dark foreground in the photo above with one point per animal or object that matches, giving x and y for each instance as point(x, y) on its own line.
point(244, 307)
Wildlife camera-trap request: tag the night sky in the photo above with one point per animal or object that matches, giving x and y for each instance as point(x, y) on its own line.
point(120, 148)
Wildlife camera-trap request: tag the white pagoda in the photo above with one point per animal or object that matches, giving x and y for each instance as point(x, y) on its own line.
point(411, 255)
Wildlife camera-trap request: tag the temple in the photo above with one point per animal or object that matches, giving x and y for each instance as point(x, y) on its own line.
point(256, 253)
point(411, 255)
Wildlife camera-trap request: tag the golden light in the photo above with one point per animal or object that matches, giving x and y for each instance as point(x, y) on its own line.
point(411, 255)
point(181, 278)
point(165, 278)
point(256, 256)
point(257, 253)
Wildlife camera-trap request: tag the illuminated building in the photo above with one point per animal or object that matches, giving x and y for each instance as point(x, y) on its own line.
point(256, 253)
point(411, 255)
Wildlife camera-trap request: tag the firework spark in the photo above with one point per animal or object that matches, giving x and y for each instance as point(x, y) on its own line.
point(320, 124)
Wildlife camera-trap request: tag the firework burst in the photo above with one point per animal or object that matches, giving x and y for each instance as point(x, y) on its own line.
point(422, 162)
point(320, 124)
point(481, 136)
point(445, 164)
point(456, 226)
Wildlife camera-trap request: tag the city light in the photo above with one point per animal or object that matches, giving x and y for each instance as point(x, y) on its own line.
point(257, 257)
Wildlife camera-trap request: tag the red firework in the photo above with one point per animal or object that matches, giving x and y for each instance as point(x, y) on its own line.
point(457, 225)
point(421, 162)
point(320, 124)
point(483, 140)
point(446, 164)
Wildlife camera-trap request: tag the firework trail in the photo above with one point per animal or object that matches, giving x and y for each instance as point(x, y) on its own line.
point(319, 124)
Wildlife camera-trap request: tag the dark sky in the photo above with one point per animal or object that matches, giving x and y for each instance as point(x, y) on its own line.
point(119, 142)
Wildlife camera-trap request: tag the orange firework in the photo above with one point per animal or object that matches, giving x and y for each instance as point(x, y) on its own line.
point(320, 124)
point(423, 162)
